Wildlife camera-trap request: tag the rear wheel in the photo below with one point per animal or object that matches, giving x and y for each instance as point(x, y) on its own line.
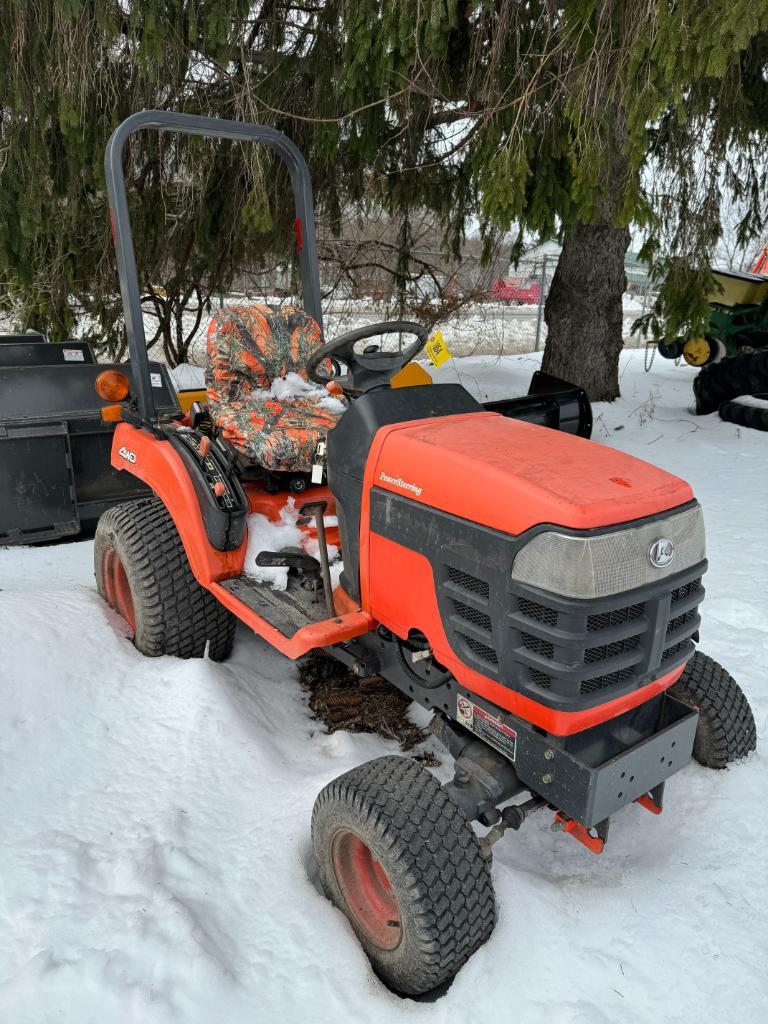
point(142, 572)
point(726, 729)
point(399, 858)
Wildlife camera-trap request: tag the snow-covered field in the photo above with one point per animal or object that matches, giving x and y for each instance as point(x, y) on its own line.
point(154, 814)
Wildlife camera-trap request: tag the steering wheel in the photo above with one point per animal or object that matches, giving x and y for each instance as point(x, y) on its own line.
point(367, 369)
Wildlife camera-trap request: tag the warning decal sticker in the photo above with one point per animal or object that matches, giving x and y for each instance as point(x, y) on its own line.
point(436, 349)
point(73, 355)
point(486, 727)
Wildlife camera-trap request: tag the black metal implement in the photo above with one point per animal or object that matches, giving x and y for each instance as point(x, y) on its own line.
point(29, 352)
point(215, 128)
point(550, 402)
point(56, 475)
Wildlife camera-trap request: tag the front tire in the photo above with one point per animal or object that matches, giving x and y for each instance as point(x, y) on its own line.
point(726, 730)
point(398, 857)
point(143, 573)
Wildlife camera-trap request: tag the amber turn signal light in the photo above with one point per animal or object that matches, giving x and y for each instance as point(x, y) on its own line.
point(112, 413)
point(112, 386)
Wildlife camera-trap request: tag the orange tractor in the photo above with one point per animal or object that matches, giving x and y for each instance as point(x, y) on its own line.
point(537, 591)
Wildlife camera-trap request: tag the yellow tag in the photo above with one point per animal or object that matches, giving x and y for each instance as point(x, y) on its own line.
point(437, 351)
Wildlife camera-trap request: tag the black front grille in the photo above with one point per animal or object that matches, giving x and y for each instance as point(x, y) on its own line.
point(680, 593)
point(601, 682)
point(538, 646)
point(538, 612)
point(541, 679)
point(566, 651)
point(595, 654)
point(681, 620)
point(617, 617)
point(674, 650)
point(473, 615)
point(472, 584)
point(480, 649)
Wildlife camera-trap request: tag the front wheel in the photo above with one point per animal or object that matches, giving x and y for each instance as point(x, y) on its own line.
point(399, 858)
point(142, 572)
point(726, 729)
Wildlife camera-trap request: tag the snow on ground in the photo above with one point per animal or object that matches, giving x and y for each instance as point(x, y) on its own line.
point(154, 814)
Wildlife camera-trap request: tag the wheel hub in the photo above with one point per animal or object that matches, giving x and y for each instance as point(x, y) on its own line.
point(116, 586)
point(697, 351)
point(367, 890)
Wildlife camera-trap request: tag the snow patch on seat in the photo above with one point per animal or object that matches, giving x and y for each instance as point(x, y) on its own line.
point(293, 386)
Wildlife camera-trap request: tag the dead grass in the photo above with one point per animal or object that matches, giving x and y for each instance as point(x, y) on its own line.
point(341, 700)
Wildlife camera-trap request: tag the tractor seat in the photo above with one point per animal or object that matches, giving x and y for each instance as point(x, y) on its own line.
point(270, 420)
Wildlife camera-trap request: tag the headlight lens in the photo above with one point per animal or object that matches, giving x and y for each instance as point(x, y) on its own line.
point(609, 563)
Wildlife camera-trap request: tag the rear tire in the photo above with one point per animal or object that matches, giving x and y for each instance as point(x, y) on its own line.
point(726, 729)
point(399, 858)
point(142, 571)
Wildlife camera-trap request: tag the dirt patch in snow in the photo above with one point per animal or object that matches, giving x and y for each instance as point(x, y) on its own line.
point(341, 700)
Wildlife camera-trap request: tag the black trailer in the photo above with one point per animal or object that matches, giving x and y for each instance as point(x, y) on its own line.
point(56, 476)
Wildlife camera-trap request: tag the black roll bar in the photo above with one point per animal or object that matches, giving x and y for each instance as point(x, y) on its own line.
point(216, 128)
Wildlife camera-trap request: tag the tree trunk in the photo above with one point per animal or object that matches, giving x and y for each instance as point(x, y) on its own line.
point(584, 312)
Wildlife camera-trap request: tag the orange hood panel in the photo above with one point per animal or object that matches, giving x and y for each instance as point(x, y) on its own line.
point(511, 475)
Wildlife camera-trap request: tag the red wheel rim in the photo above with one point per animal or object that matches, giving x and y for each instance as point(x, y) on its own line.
point(367, 890)
point(117, 587)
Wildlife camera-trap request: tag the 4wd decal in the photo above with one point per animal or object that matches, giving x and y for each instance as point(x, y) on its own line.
point(486, 727)
point(125, 454)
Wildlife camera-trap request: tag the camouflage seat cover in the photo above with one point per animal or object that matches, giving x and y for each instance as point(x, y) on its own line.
point(249, 349)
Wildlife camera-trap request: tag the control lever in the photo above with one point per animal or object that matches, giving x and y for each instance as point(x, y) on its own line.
point(316, 510)
point(288, 559)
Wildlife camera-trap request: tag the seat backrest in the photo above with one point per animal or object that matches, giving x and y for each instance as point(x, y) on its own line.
point(250, 346)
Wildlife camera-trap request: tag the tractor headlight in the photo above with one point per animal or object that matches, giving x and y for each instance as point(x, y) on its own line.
point(610, 563)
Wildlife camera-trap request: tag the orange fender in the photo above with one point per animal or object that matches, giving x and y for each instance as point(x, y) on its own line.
point(160, 467)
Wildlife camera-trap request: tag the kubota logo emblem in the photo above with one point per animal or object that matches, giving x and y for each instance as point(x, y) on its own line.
point(125, 454)
point(661, 552)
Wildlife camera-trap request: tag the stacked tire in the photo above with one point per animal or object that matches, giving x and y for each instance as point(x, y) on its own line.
point(747, 411)
point(717, 383)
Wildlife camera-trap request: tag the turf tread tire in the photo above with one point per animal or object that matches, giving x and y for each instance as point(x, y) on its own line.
point(174, 614)
point(744, 415)
point(744, 374)
point(726, 730)
point(430, 852)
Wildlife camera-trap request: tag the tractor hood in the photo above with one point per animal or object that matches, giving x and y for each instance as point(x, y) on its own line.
point(510, 475)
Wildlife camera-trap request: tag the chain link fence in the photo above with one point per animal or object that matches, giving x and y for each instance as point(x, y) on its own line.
point(481, 309)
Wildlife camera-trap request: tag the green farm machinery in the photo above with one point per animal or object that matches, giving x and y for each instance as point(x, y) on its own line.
point(738, 321)
point(733, 352)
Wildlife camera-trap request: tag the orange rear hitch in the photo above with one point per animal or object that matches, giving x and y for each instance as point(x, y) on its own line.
point(595, 844)
point(653, 801)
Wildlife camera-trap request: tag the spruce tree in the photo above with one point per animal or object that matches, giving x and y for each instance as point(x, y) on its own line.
point(534, 117)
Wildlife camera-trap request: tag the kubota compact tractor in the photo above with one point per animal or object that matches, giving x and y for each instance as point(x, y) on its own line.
point(538, 591)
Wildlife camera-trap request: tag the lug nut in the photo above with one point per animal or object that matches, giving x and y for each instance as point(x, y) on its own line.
point(548, 777)
point(549, 754)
